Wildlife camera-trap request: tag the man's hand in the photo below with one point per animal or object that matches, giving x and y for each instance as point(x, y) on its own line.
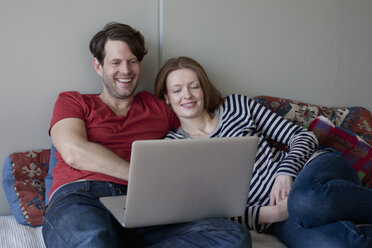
point(282, 186)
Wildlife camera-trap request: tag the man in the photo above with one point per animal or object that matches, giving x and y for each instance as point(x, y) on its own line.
point(93, 134)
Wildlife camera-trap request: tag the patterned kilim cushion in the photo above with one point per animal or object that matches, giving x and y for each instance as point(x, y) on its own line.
point(300, 113)
point(23, 181)
point(353, 148)
point(355, 119)
point(280, 106)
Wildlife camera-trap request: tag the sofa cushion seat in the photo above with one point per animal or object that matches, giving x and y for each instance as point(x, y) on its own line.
point(15, 235)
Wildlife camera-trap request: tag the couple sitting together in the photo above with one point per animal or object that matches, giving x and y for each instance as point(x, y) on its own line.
point(306, 197)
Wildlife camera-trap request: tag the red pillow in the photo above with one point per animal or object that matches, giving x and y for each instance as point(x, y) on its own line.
point(26, 182)
point(353, 148)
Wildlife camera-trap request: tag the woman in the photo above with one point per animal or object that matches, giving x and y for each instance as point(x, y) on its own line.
point(202, 111)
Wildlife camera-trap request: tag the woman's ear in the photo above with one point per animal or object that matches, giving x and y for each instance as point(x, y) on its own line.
point(166, 99)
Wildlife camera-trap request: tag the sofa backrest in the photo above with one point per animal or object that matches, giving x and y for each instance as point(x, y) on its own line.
point(355, 119)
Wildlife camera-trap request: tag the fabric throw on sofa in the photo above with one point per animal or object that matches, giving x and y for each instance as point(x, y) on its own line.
point(355, 119)
point(353, 148)
point(347, 130)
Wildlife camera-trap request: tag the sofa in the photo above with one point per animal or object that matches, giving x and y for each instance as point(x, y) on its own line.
point(27, 175)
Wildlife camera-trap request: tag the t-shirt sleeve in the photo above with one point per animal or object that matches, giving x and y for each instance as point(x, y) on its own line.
point(173, 119)
point(68, 105)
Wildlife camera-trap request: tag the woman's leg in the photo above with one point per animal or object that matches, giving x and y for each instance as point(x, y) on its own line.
point(328, 190)
point(341, 234)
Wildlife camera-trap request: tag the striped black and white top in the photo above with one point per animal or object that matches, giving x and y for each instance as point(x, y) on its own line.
point(241, 116)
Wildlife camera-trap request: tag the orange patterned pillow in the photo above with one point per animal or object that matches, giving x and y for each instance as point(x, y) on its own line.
point(23, 181)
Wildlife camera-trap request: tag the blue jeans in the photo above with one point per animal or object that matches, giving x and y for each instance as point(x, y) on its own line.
point(325, 204)
point(76, 218)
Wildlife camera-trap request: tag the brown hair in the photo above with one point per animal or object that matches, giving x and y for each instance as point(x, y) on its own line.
point(212, 97)
point(117, 31)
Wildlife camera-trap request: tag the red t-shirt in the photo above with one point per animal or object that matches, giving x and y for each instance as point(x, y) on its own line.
point(147, 118)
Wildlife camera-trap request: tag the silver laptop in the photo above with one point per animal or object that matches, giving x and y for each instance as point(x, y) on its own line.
point(175, 181)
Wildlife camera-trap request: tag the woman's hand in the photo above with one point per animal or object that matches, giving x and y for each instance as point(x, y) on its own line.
point(282, 209)
point(282, 186)
point(275, 213)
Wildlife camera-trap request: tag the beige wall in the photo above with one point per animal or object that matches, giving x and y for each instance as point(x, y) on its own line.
point(319, 51)
point(44, 50)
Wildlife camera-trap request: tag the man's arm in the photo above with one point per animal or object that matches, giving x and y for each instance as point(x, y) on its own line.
point(69, 136)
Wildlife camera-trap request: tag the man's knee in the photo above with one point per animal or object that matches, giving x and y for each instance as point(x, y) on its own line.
point(78, 222)
point(209, 233)
point(233, 232)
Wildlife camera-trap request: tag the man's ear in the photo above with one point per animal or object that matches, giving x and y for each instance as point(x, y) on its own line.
point(97, 66)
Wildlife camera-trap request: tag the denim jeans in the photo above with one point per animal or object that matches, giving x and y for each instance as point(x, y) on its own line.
point(76, 218)
point(326, 204)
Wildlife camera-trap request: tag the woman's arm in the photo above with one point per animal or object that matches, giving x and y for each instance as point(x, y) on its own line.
point(274, 213)
point(302, 144)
